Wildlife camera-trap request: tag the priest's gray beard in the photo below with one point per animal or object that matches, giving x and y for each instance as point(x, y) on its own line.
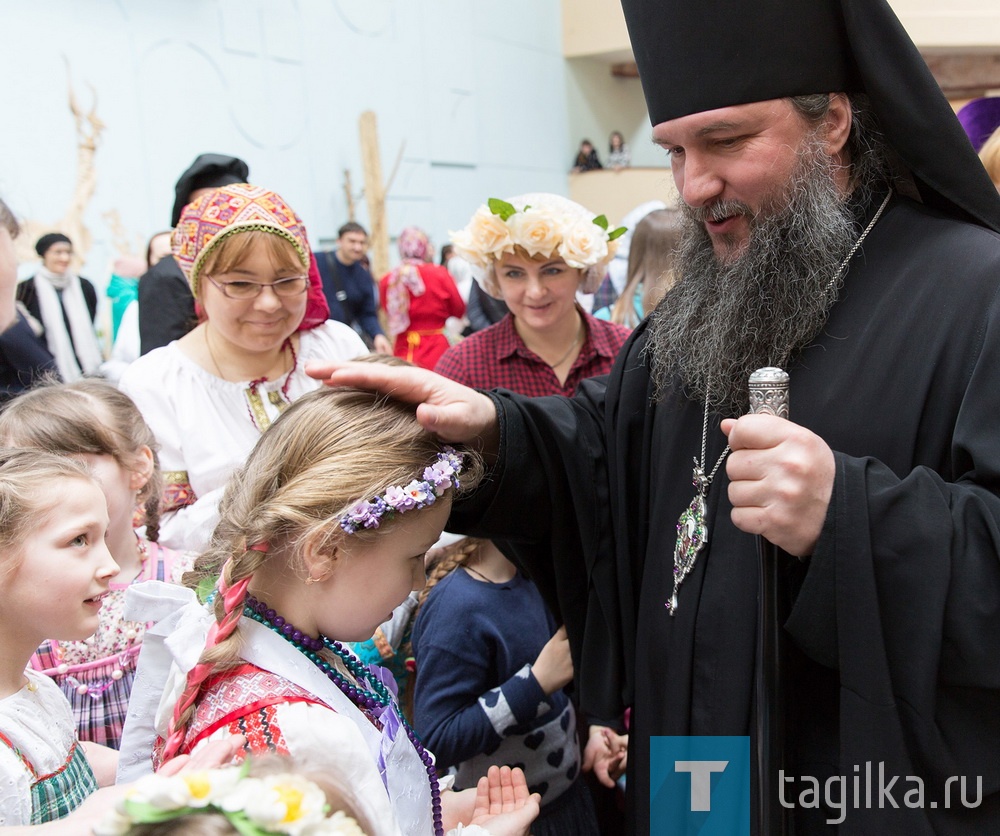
point(724, 319)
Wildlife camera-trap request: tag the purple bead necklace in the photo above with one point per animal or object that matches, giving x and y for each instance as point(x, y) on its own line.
point(369, 701)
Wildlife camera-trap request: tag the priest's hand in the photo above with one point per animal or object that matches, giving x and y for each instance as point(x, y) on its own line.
point(781, 479)
point(452, 411)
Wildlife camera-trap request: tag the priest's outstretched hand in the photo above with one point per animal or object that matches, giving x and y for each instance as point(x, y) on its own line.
point(448, 409)
point(781, 480)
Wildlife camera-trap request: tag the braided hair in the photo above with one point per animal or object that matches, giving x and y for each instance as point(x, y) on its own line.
point(329, 449)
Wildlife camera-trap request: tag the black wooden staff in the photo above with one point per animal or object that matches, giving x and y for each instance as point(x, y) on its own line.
point(769, 396)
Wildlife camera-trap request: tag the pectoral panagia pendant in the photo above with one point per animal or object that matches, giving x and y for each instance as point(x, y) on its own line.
point(692, 534)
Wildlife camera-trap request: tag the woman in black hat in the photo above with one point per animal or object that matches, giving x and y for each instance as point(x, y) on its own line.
point(65, 305)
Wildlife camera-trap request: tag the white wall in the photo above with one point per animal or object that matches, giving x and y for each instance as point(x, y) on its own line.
point(476, 90)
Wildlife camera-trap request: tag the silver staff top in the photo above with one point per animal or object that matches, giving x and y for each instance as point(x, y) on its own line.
point(769, 392)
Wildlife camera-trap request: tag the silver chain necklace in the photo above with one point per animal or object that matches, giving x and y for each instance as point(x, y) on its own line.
point(692, 530)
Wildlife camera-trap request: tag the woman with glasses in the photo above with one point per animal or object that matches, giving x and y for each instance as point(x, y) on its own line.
point(210, 394)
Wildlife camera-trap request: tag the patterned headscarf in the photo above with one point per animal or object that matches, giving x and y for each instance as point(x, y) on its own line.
point(241, 207)
point(405, 279)
point(231, 209)
point(413, 243)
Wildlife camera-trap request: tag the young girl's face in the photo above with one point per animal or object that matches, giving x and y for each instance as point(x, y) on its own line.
point(63, 569)
point(371, 578)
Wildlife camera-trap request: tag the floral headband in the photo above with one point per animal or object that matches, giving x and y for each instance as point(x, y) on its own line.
point(540, 224)
point(398, 499)
point(285, 804)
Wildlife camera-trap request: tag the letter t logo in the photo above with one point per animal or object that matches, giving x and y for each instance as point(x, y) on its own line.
point(701, 781)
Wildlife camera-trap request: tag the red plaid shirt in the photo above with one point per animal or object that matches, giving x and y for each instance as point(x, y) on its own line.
point(497, 357)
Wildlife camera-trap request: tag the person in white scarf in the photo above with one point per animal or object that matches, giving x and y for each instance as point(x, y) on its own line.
point(66, 305)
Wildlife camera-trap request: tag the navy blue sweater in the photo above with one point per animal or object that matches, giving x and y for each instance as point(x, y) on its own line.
point(476, 701)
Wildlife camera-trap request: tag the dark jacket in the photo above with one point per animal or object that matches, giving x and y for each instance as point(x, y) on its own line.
point(166, 306)
point(24, 359)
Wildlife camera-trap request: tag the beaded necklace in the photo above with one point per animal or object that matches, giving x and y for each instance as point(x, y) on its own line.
point(369, 701)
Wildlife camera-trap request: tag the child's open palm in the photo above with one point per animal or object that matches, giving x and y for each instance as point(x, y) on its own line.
point(503, 804)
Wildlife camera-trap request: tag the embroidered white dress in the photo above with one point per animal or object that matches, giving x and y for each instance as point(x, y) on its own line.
point(331, 733)
point(43, 771)
point(207, 426)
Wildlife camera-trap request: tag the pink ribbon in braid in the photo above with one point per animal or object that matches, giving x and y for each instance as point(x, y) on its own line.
point(232, 602)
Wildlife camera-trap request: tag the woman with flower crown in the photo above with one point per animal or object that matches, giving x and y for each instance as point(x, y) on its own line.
point(535, 251)
point(322, 533)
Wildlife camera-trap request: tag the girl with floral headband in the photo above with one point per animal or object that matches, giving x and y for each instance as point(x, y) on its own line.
point(209, 395)
point(322, 533)
point(534, 252)
point(419, 297)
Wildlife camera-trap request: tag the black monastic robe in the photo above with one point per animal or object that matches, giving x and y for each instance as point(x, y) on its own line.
point(895, 621)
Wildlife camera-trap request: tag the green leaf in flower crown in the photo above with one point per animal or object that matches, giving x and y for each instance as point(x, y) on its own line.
point(141, 812)
point(501, 208)
point(618, 233)
point(602, 222)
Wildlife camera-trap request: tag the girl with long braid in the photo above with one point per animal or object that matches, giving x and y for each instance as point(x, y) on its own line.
point(321, 534)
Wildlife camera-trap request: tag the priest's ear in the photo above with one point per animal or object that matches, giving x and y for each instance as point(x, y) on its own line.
point(837, 126)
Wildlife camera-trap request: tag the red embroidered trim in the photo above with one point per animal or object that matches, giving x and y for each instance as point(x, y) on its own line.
point(177, 495)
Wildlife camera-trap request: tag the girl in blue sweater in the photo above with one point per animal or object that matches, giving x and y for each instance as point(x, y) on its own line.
point(491, 668)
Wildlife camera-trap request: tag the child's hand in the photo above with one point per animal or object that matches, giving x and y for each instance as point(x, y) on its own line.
point(503, 804)
point(554, 666)
point(606, 754)
point(457, 807)
point(212, 755)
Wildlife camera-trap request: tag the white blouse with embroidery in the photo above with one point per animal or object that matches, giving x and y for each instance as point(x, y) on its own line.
point(206, 426)
point(40, 724)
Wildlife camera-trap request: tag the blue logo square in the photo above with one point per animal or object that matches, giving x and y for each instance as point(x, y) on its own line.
point(699, 785)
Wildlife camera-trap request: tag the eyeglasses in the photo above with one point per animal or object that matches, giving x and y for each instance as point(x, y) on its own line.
point(291, 286)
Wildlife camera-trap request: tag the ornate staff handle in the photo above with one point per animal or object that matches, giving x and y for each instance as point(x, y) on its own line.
point(769, 396)
point(769, 392)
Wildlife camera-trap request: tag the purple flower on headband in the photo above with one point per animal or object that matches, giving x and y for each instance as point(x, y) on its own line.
point(364, 514)
point(376, 510)
point(440, 474)
point(398, 499)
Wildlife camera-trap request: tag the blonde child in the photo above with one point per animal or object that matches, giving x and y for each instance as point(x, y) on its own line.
point(322, 533)
point(56, 572)
point(55, 576)
point(97, 425)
